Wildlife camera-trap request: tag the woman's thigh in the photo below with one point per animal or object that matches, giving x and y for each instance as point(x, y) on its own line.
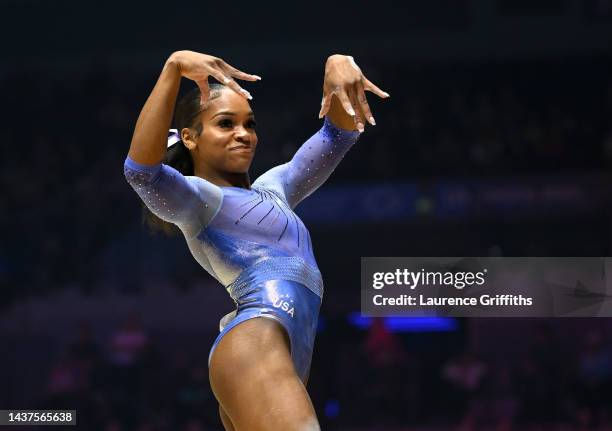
point(253, 378)
point(225, 420)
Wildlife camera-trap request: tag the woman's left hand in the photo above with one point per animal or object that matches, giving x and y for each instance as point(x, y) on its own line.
point(344, 79)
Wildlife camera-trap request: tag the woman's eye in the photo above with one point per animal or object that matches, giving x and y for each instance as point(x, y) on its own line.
point(227, 123)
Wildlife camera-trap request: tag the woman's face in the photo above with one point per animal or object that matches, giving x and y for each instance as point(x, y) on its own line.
point(228, 140)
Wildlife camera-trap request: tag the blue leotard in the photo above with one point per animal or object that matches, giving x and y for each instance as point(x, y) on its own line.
point(251, 240)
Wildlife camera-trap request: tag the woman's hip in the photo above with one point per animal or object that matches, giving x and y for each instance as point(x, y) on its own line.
point(291, 304)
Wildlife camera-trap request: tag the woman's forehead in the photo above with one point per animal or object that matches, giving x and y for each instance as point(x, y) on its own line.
point(228, 101)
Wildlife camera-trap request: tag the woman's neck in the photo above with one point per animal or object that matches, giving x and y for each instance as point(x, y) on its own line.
point(224, 179)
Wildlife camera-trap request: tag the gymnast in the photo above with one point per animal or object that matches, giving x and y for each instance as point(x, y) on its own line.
point(246, 235)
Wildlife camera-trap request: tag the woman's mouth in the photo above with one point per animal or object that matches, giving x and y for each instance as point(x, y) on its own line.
point(241, 148)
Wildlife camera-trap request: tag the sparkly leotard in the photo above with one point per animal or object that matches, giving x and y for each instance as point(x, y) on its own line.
point(251, 240)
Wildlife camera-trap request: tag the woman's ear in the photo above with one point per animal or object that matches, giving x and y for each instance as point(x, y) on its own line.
point(187, 139)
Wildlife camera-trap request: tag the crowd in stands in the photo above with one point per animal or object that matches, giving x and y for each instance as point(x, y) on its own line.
point(360, 380)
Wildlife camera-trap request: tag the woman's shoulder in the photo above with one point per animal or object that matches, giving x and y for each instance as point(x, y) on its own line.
point(204, 185)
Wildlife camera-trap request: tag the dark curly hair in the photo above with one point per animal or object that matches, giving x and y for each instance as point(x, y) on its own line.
point(186, 115)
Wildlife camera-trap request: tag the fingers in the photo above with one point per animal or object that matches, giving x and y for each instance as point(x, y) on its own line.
point(237, 88)
point(346, 102)
point(350, 103)
point(325, 105)
point(222, 77)
point(369, 86)
point(204, 91)
point(240, 74)
point(363, 103)
point(358, 117)
point(219, 75)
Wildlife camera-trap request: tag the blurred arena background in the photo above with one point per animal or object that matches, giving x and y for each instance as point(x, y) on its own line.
point(497, 140)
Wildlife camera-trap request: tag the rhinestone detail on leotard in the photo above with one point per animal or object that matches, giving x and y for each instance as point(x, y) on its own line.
point(278, 268)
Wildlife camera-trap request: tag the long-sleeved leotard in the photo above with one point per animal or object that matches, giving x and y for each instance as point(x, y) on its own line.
point(251, 240)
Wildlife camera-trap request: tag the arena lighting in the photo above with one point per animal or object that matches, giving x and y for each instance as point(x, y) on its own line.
point(332, 408)
point(407, 324)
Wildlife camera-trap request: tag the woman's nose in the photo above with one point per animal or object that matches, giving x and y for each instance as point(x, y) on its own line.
point(242, 132)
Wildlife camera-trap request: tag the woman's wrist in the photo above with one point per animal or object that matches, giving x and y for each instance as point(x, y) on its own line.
point(174, 61)
point(328, 123)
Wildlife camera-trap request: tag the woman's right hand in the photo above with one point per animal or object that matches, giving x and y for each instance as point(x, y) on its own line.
point(198, 67)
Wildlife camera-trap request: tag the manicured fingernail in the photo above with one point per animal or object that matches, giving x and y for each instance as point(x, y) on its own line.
point(257, 77)
point(351, 112)
point(226, 80)
point(372, 121)
point(386, 94)
point(247, 94)
point(360, 127)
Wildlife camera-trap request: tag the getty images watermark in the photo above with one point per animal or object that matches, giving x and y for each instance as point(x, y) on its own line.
point(487, 287)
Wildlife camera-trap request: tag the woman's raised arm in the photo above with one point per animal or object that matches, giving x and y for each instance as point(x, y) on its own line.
point(150, 136)
point(148, 145)
point(345, 107)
